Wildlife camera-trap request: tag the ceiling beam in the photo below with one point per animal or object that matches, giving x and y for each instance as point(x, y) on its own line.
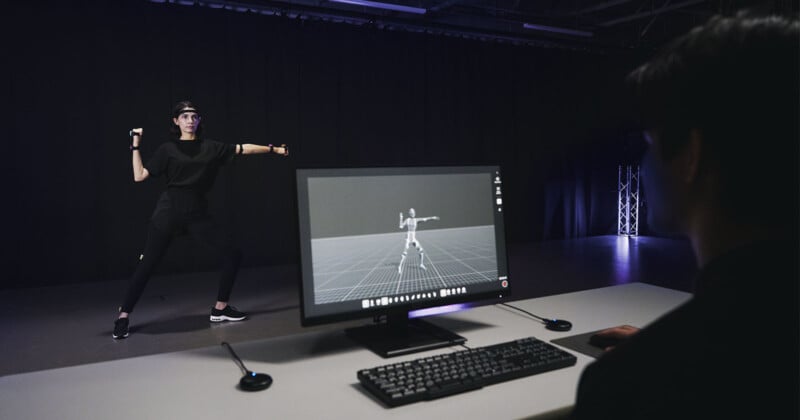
point(655, 12)
point(601, 6)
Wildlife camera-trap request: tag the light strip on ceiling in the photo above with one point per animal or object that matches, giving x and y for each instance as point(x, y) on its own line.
point(384, 6)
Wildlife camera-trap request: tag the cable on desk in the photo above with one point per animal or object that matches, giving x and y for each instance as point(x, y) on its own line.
point(236, 358)
point(523, 311)
point(550, 324)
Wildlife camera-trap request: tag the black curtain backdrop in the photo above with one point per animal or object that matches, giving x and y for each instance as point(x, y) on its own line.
point(79, 75)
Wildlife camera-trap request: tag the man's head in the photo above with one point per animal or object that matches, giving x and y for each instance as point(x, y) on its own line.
point(412, 213)
point(720, 106)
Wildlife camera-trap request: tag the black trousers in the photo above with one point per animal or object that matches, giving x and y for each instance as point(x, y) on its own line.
point(202, 228)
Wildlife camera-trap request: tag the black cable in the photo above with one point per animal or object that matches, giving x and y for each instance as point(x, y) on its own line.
point(236, 358)
point(523, 311)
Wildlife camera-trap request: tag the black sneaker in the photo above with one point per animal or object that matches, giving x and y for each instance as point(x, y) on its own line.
point(228, 314)
point(120, 328)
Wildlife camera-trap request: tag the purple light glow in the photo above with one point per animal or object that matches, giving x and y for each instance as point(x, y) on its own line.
point(623, 259)
point(439, 310)
point(385, 6)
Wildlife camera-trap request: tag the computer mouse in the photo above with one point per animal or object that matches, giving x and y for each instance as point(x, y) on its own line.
point(255, 381)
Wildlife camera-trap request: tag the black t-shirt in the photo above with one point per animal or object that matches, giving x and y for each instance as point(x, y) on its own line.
point(729, 352)
point(190, 168)
point(190, 165)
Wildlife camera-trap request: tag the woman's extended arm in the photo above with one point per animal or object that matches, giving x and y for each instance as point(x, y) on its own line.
point(140, 173)
point(252, 149)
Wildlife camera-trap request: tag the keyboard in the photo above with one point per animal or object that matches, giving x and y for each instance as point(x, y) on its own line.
point(432, 377)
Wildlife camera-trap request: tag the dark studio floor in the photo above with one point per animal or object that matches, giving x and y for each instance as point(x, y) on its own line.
point(47, 328)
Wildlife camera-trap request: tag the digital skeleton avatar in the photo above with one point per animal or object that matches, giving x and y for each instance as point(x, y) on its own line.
point(411, 237)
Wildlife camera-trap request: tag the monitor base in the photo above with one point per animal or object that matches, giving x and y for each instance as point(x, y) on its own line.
point(401, 335)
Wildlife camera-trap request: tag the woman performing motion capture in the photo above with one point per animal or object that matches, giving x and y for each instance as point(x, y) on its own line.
point(190, 164)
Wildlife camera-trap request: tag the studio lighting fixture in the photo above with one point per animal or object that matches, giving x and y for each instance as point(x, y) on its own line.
point(554, 29)
point(384, 6)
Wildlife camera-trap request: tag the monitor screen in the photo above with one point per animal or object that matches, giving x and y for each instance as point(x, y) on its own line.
point(381, 240)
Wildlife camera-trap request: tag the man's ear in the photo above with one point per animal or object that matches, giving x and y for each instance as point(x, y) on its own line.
point(693, 155)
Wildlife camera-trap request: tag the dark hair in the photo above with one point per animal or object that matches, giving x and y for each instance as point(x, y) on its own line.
point(177, 110)
point(736, 80)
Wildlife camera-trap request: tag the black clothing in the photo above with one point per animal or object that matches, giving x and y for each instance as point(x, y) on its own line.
point(202, 229)
point(729, 352)
point(190, 165)
point(190, 168)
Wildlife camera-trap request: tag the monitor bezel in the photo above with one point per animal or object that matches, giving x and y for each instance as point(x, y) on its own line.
point(471, 299)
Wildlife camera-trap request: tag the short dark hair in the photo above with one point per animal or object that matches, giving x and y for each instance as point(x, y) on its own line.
point(736, 80)
point(174, 131)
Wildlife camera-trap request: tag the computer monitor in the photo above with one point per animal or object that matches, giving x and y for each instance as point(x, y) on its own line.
point(384, 242)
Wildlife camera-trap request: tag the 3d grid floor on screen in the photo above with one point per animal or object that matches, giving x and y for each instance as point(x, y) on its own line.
point(360, 267)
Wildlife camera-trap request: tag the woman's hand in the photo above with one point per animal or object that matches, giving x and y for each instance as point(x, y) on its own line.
point(140, 173)
point(138, 133)
point(282, 150)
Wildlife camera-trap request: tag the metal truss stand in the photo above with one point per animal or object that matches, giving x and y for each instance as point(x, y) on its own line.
point(628, 201)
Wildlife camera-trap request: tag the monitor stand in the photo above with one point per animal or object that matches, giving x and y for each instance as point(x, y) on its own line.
point(402, 335)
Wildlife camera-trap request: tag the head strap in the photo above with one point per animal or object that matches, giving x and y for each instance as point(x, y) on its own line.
point(186, 109)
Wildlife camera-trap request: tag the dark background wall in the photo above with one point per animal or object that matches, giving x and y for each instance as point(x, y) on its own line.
point(78, 76)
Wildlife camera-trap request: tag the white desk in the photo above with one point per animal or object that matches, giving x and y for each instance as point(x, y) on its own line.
point(315, 373)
